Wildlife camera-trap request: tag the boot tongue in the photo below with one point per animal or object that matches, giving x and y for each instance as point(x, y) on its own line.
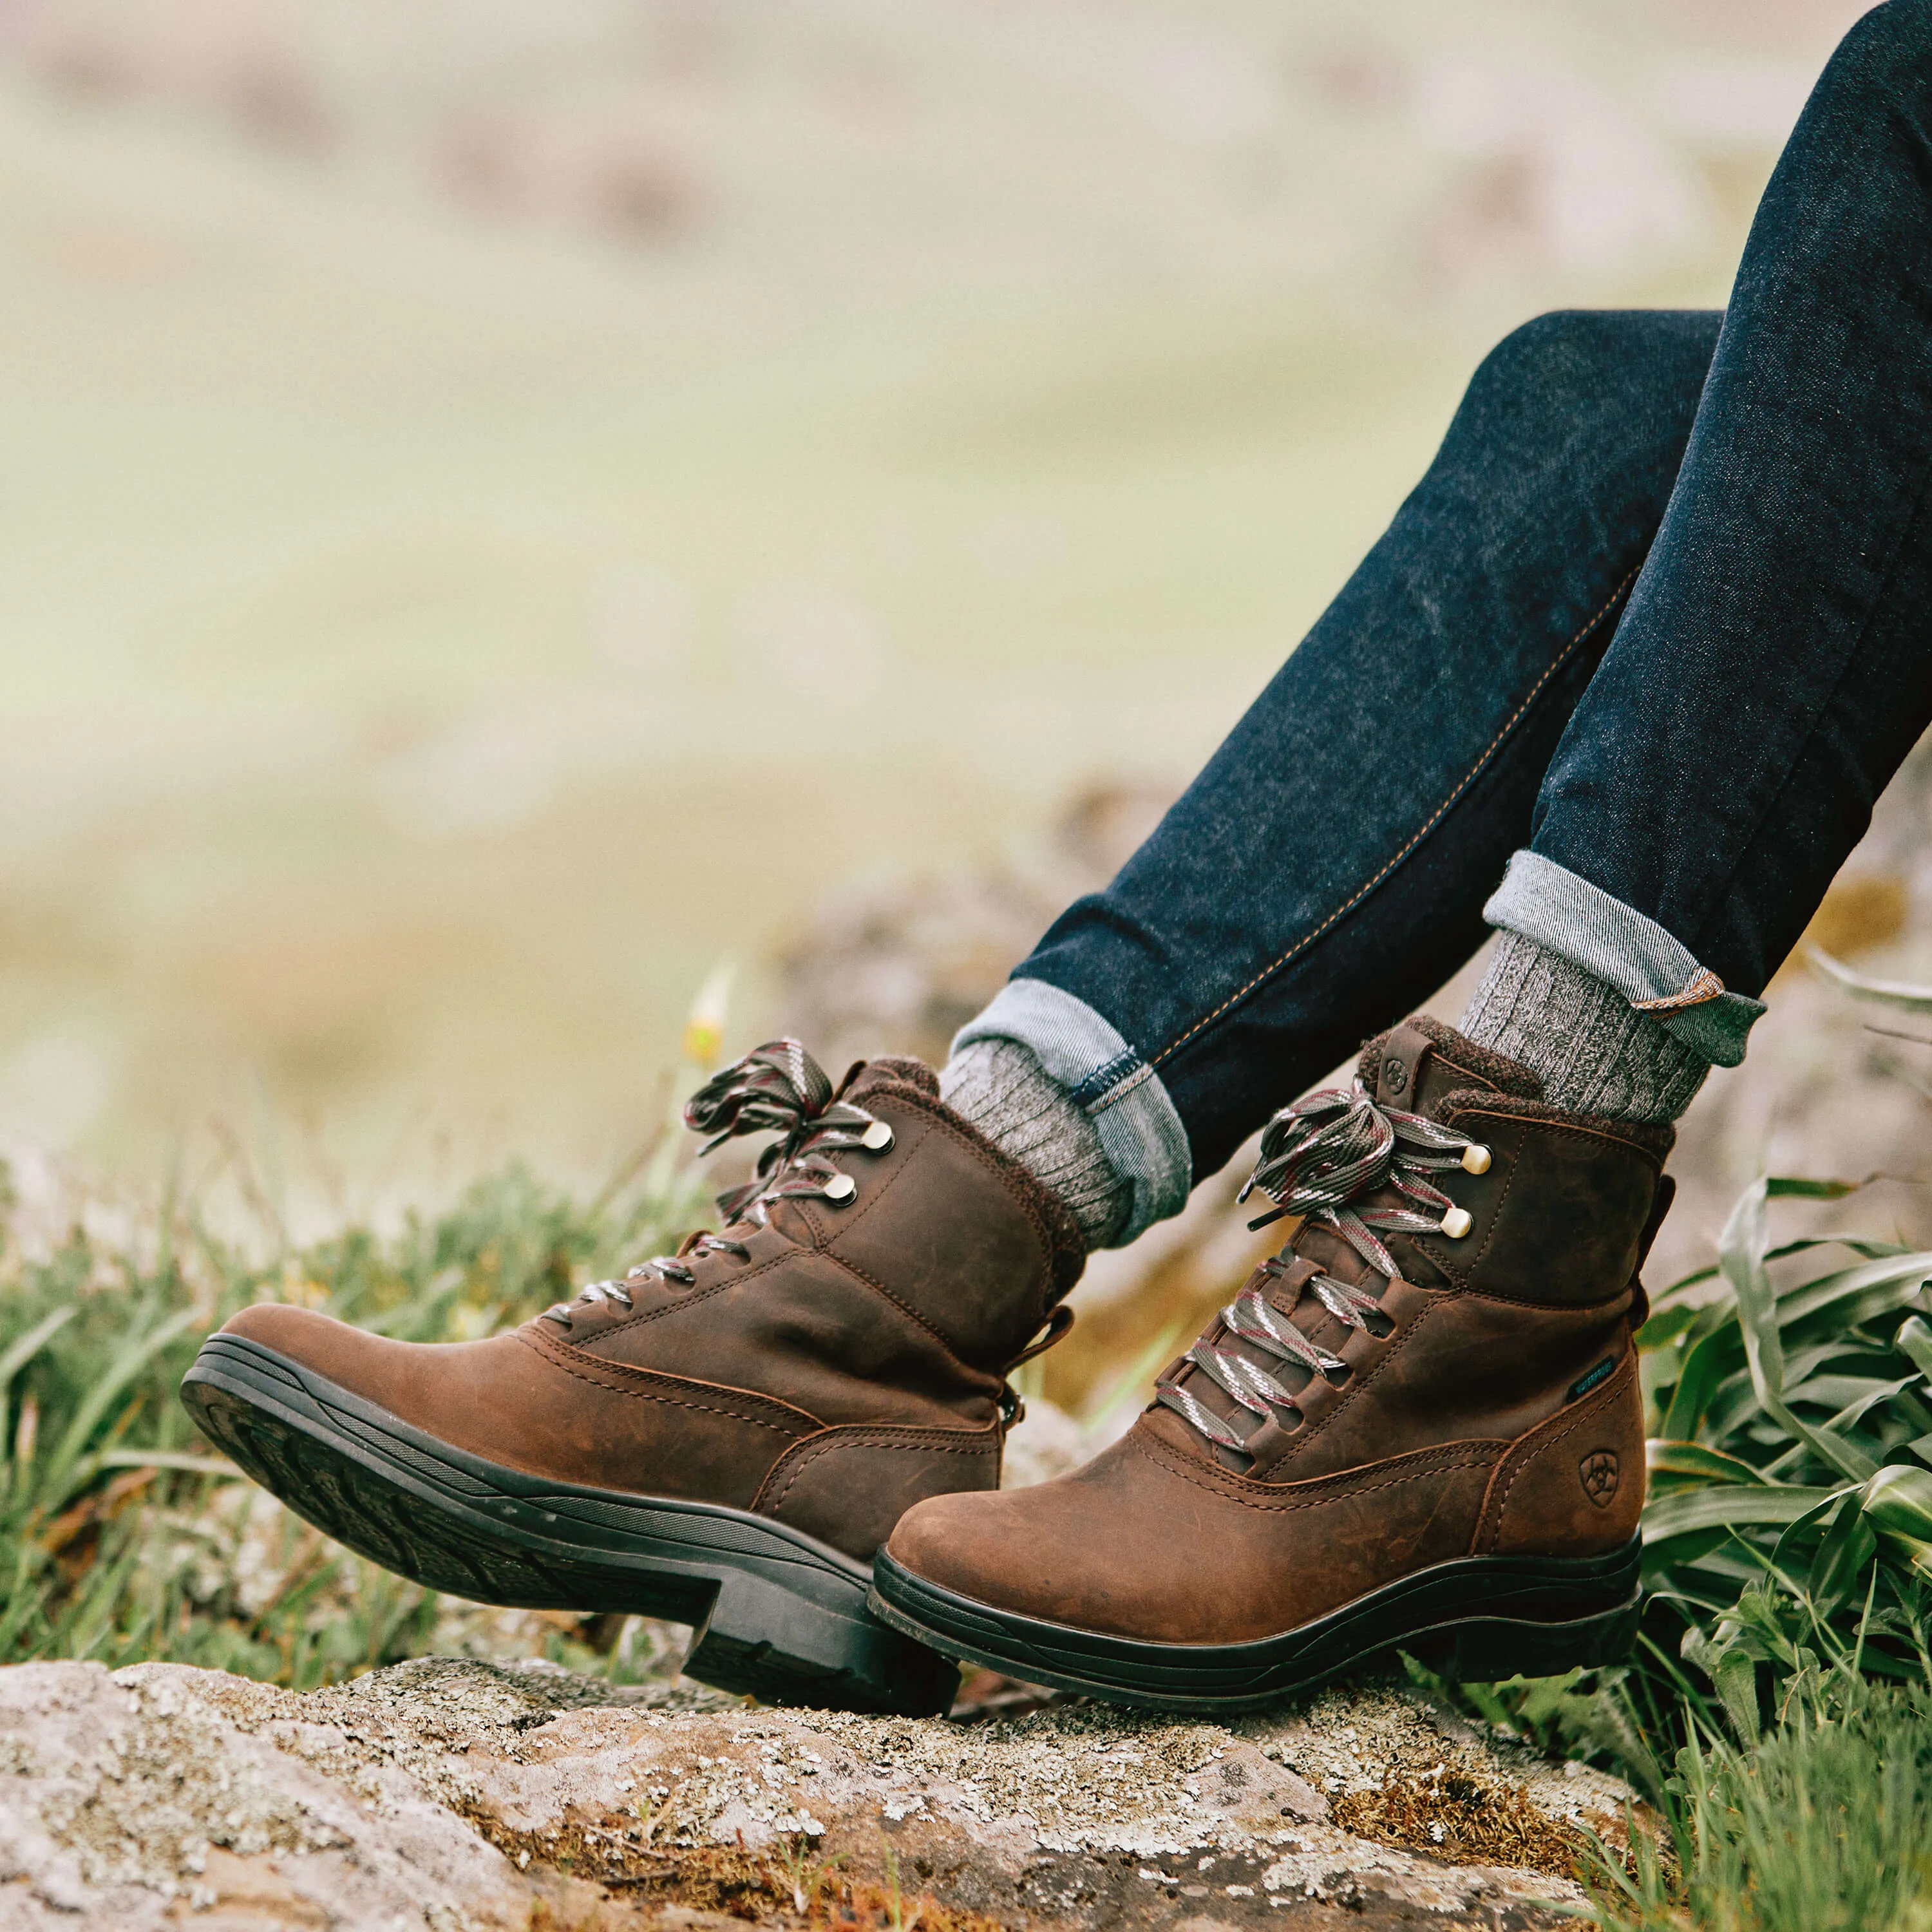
point(888, 1070)
point(1415, 1067)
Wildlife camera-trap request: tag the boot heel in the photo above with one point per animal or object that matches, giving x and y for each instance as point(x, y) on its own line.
point(1486, 1650)
point(761, 1640)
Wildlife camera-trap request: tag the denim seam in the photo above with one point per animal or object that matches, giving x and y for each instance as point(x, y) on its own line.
point(1113, 1095)
point(1108, 1082)
point(1361, 892)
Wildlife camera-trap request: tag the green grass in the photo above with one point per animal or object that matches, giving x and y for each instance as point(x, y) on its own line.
point(122, 1538)
point(1823, 1824)
point(1789, 1523)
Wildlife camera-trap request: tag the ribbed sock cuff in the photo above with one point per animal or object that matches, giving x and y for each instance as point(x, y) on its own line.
point(1630, 953)
point(1597, 1054)
point(1082, 1052)
point(1002, 1089)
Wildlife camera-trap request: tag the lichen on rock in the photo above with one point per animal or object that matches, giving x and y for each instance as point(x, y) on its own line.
point(449, 1793)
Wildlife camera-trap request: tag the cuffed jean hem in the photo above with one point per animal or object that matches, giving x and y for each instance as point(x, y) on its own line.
point(1650, 967)
point(1140, 1132)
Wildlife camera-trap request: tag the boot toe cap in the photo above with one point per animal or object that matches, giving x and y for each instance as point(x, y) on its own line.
point(278, 1325)
point(301, 1335)
point(940, 1541)
point(457, 1392)
point(1012, 1549)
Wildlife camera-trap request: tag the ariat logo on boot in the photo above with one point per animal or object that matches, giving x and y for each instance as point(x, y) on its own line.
point(1395, 1075)
point(1599, 1472)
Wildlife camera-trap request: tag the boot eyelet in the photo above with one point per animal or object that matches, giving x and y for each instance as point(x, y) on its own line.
point(876, 1137)
point(1475, 1159)
point(1456, 1223)
point(840, 1189)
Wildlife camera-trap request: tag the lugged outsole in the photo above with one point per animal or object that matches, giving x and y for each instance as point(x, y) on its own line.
point(1477, 1619)
point(778, 1616)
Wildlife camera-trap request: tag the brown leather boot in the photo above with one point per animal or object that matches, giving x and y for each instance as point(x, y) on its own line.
point(1418, 1425)
point(725, 1436)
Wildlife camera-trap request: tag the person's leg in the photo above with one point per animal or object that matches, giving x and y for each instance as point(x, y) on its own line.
point(728, 1433)
point(1328, 867)
point(1421, 1423)
point(1773, 665)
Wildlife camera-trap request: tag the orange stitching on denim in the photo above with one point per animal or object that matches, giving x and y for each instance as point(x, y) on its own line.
point(1435, 818)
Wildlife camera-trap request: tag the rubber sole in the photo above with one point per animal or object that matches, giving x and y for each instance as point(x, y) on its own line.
point(1476, 1620)
point(778, 1615)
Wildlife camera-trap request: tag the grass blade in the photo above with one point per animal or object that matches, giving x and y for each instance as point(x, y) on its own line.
point(1740, 1255)
point(1898, 993)
point(30, 1345)
point(56, 1484)
point(1666, 1458)
point(1730, 1505)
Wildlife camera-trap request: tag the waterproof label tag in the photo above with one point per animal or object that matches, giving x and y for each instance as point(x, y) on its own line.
point(1600, 1373)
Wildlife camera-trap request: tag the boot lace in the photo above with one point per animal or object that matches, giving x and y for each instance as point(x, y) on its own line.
point(1319, 1158)
point(778, 1088)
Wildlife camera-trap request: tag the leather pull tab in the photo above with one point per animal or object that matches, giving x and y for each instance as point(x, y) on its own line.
point(1398, 1067)
point(1057, 1324)
point(1659, 1206)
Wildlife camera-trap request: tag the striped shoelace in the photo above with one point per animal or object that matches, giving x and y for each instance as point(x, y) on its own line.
point(1319, 1157)
point(779, 1089)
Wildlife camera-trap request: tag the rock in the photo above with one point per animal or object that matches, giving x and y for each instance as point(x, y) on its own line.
point(448, 1793)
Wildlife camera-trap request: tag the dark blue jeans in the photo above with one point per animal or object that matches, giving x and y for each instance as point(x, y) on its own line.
point(1657, 622)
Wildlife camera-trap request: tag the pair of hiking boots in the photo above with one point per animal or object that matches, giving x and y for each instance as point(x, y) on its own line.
point(1417, 1425)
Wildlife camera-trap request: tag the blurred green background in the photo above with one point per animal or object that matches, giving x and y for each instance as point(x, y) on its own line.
point(506, 504)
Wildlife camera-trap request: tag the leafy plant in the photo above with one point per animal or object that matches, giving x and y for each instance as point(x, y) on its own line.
point(1790, 1525)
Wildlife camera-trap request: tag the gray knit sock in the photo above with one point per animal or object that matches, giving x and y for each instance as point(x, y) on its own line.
point(1004, 1090)
point(1597, 1054)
